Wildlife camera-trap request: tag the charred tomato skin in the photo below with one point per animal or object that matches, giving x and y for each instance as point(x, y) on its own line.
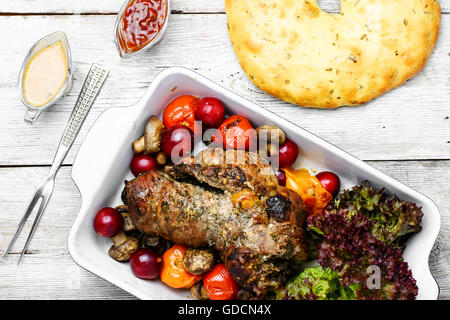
point(236, 132)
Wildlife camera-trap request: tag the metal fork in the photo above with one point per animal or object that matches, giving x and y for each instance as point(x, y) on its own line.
point(91, 87)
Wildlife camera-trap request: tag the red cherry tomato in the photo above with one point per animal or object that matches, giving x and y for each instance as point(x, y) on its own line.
point(219, 284)
point(281, 176)
point(210, 111)
point(330, 182)
point(287, 154)
point(108, 222)
point(180, 137)
point(146, 264)
point(236, 132)
point(180, 111)
point(142, 163)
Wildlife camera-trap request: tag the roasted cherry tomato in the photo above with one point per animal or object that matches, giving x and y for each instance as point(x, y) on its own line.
point(210, 111)
point(173, 272)
point(108, 222)
point(146, 264)
point(180, 110)
point(178, 137)
point(236, 132)
point(287, 154)
point(142, 163)
point(219, 284)
point(330, 181)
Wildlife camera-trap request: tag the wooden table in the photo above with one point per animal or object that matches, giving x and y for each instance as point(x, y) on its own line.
point(405, 133)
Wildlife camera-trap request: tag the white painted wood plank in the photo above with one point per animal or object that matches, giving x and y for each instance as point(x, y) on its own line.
point(49, 263)
point(408, 123)
point(112, 6)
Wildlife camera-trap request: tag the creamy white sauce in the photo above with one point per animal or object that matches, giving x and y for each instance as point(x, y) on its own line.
point(45, 75)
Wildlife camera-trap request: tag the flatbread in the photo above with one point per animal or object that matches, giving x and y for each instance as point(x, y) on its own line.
point(295, 51)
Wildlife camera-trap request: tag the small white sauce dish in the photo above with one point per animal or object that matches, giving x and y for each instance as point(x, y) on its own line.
point(34, 111)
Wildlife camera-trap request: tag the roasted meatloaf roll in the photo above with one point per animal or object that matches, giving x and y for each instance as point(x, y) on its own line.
point(230, 201)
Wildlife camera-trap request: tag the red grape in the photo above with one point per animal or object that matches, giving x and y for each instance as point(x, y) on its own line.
point(330, 181)
point(287, 154)
point(281, 176)
point(108, 222)
point(180, 137)
point(146, 264)
point(210, 111)
point(142, 163)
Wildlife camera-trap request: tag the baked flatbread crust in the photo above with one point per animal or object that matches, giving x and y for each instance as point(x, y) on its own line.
point(295, 51)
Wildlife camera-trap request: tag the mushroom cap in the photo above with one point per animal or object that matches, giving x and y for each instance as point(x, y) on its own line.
point(198, 261)
point(153, 132)
point(124, 251)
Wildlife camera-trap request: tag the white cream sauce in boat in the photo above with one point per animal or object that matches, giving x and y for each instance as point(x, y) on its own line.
point(45, 75)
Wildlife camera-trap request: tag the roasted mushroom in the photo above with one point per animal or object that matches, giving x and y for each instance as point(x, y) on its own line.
point(151, 141)
point(198, 292)
point(161, 158)
point(243, 294)
point(128, 225)
point(198, 261)
point(270, 134)
point(155, 243)
point(123, 247)
point(272, 150)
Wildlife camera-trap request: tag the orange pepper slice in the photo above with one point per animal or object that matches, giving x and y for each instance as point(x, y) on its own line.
point(173, 272)
point(315, 197)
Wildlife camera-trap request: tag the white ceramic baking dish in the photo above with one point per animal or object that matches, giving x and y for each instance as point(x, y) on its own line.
point(102, 165)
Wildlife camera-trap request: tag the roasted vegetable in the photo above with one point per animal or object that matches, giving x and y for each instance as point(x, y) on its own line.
point(181, 111)
point(271, 134)
point(236, 132)
point(198, 292)
point(349, 248)
point(173, 272)
point(198, 261)
point(219, 284)
point(315, 197)
point(391, 218)
point(128, 225)
point(155, 243)
point(123, 247)
point(150, 142)
point(315, 284)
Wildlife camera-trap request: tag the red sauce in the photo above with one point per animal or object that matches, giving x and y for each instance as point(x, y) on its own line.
point(141, 22)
